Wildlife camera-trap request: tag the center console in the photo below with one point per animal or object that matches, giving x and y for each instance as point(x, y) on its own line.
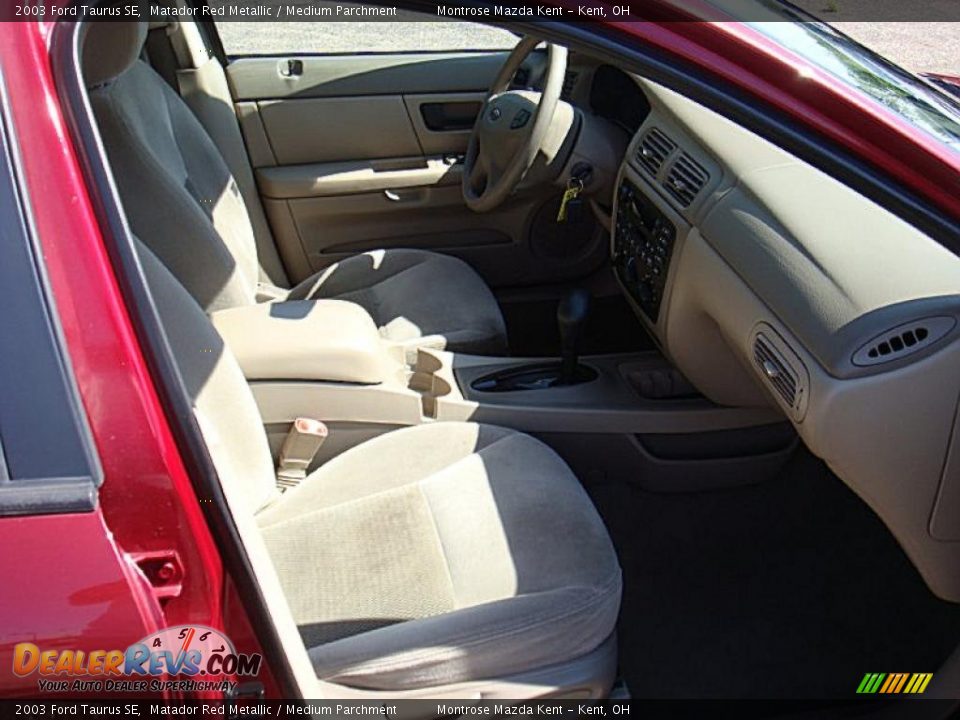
point(643, 240)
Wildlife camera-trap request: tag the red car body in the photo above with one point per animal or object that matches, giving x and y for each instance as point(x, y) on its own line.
point(145, 558)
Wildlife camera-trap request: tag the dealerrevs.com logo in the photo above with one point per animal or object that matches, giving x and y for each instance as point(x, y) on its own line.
point(188, 658)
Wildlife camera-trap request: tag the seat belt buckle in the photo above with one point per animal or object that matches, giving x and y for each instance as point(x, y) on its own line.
point(300, 447)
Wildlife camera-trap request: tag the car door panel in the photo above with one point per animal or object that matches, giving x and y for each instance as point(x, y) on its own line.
point(443, 121)
point(355, 153)
point(356, 176)
point(344, 128)
point(260, 78)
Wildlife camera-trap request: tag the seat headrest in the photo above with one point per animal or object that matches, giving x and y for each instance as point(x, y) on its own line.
point(110, 48)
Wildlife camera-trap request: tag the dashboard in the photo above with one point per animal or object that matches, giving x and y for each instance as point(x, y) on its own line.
point(615, 96)
point(604, 90)
point(767, 282)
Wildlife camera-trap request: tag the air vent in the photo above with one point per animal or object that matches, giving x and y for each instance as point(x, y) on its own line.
point(569, 82)
point(775, 369)
point(685, 179)
point(903, 340)
point(655, 148)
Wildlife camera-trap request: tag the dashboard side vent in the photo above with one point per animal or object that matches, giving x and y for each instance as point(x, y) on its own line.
point(775, 369)
point(685, 179)
point(903, 340)
point(655, 148)
point(569, 83)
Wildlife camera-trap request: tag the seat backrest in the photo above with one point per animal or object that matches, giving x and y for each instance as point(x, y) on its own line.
point(177, 191)
point(223, 403)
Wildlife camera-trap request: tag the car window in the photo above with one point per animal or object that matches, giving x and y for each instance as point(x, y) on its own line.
point(905, 94)
point(409, 32)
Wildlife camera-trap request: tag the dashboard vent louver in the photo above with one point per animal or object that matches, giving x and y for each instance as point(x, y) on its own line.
point(685, 179)
point(775, 369)
point(655, 148)
point(569, 82)
point(903, 340)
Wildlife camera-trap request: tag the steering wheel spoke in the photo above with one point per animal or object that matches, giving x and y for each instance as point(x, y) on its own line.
point(496, 161)
point(477, 176)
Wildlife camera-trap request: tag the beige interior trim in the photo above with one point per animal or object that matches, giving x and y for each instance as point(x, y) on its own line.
point(356, 75)
point(945, 522)
point(773, 246)
point(885, 435)
point(435, 392)
point(289, 242)
point(435, 142)
point(328, 340)
point(258, 144)
point(341, 128)
point(345, 178)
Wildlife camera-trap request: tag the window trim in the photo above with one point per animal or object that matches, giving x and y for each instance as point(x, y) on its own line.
point(65, 53)
point(44, 492)
point(227, 57)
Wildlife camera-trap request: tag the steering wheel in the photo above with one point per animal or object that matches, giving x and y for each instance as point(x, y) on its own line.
point(510, 129)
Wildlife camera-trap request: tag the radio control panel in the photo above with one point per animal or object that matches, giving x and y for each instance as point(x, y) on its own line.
point(643, 241)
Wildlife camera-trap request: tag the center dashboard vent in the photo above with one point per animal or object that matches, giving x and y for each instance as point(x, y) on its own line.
point(685, 179)
point(655, 147)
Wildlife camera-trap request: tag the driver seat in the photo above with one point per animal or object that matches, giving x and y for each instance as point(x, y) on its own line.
point(182, 201)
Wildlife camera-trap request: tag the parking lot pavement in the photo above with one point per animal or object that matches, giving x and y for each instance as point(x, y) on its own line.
point(917, 46)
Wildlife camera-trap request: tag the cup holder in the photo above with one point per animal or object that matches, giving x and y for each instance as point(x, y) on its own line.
point(532, 377)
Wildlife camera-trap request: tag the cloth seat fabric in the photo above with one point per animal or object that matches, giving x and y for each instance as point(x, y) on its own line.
point(182, 201)
point(413, 294)
point(435, 554)
point(475, 553)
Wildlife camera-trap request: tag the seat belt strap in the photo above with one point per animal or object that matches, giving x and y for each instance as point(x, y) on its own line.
point(299, 449)
point(161, 56)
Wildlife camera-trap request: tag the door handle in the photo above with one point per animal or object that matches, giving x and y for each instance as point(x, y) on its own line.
point(406, 195)
point(291, 67)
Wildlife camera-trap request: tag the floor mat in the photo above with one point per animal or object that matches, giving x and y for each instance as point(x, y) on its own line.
point(792, 588)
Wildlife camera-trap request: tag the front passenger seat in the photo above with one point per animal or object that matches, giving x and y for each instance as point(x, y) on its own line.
point(182, 201)
point(429, 557)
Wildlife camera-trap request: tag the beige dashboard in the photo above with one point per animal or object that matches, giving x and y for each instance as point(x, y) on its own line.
point(785, 287)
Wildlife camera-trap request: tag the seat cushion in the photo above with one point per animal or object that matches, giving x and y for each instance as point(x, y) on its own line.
point(443, 553)
point(414, 293)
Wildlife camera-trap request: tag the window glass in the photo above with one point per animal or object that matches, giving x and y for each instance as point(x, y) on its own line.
point(910, 97)
point(409, 32)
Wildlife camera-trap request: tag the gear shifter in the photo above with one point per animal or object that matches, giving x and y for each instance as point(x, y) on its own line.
point(572, 313)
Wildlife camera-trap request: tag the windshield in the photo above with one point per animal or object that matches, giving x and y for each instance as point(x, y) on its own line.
point(890, 85)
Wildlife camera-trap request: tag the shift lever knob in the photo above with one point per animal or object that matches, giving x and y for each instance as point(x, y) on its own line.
point(572, 315)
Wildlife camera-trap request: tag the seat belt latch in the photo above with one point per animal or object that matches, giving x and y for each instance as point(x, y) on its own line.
point(299, 449)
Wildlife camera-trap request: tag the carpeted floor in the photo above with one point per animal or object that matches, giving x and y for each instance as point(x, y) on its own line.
point(792, 588)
